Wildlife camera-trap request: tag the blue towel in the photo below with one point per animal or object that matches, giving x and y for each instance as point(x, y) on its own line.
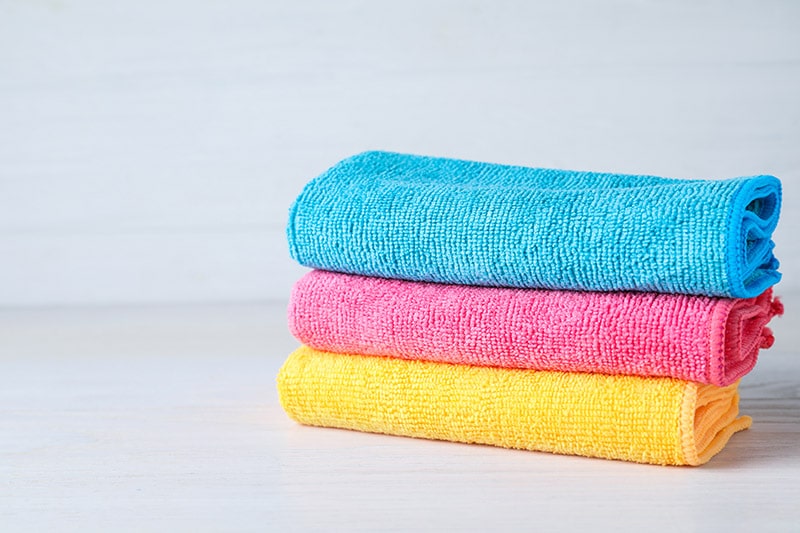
point(444, 220)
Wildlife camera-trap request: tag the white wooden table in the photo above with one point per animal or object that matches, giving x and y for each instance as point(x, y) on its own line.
point(167, 418)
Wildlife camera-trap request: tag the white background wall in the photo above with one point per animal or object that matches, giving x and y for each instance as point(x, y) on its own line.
point(149, 150)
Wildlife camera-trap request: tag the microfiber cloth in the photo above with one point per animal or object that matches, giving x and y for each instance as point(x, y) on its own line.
point(451, 221)
point(696, 338)
point(648, 420)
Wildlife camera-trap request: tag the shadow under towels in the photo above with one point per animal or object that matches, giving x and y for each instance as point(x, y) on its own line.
point(647, 420)
point(451, 221)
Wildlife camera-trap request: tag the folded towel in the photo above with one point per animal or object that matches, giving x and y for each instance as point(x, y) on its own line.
point(648, 420)
point(432, 219)
point(696, 338)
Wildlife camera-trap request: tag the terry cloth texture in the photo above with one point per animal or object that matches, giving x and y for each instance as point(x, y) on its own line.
point(709, 340)
point(432, 219)
point(648, 420)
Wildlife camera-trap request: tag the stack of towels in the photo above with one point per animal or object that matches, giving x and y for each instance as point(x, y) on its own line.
point(582, 313)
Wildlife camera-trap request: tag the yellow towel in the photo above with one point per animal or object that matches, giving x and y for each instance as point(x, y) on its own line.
point(648, 420)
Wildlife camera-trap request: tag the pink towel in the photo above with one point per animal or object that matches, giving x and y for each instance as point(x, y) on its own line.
point(695, 338)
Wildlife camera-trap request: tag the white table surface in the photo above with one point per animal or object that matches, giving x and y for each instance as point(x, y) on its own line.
point(167, 418)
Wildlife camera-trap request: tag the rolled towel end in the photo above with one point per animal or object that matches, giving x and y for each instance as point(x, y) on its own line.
point(742, 332)
point(709, 418)
point(751, 265)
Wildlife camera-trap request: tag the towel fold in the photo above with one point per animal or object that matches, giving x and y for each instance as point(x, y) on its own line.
point(451, 221)
point(703, 339)
point(648, 420)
